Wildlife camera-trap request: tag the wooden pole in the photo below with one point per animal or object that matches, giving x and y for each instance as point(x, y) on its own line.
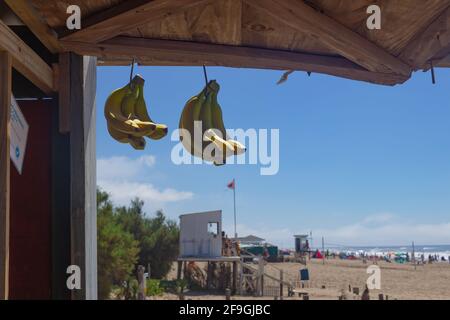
point(179, 268)
point(235, 271)
point(83, 208)
point(141, 282)
point(281, 283)
point(5, 110)
point(323, 251)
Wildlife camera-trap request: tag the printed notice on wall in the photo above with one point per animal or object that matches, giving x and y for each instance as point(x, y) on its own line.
point(18, 135)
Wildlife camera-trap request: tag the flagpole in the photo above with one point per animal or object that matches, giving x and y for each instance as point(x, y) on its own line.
point(234, 201)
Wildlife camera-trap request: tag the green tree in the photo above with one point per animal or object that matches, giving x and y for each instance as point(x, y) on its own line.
point(158, 237)
point(117, 248)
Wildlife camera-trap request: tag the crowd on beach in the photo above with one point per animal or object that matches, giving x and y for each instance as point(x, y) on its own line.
point(399, 257)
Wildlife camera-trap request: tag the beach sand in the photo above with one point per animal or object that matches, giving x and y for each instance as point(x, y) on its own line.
point(329, 280)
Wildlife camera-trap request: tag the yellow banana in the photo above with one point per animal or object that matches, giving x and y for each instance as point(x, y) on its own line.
point(140, 111)
point(129, 101)
point(204, 107)
point(190, 114)
point(238, 148)
point(217, 116)
point(135, 142)
point(116, 119)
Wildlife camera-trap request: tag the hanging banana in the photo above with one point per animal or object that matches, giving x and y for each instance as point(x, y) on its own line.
point(202, 128)
point(127, 116)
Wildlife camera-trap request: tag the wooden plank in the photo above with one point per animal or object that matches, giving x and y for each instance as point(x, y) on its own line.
point(401, 21)
point(64, 92)
point(168, 52)
point(77, 177)
point(444, 62)
point(128, 16)
point(264, 31)
point(215, 22)
point(25, 60)
point(34, 21)
point(82, 173)
point(349, 44)
point(5, 110)
point(432, 44)
point(89, 106)
point(60, 208)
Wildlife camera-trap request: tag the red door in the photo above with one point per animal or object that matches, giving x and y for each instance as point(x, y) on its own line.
point(30, 233)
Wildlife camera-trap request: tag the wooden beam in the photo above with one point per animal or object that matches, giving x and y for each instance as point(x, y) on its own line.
point(64, 92)
point(331, 33)
point(128, 16)
point(25, 60)
point(35, 22)
point(431, 44)
point(169, 52)
point(444, 62)
point(5, 107)
point(83, 209)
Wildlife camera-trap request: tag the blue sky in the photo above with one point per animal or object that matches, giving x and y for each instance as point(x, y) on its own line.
point(359, 163)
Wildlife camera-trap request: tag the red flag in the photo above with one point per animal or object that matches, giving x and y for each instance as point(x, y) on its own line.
point(231, 185)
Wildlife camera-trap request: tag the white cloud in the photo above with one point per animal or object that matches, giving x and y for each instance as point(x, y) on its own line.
point(122, 178)
point(377, 230)
point(123, 167)
point(122, 192)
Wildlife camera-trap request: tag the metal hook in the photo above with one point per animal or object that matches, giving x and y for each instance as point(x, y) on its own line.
point(205, 74)
point(433, 79)
point(132, 69)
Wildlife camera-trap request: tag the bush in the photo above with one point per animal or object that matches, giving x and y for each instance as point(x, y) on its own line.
point(154, 288)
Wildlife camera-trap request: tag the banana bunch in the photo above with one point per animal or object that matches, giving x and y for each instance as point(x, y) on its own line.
point(202, 131)
point(127, 117)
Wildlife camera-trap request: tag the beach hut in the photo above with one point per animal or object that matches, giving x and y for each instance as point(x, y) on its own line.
point(49, 52)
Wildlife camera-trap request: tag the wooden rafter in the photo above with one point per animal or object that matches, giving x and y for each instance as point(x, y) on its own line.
point(5, 107)
point(128, 16)
point(33, 20)
point(432, 44)
point(169, 52)
point(349, 44)
point(25, 60)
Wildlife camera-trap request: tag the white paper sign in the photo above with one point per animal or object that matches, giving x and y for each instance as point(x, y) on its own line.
point(18, 135)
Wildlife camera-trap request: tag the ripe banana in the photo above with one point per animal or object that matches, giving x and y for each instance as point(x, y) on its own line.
point(140, 111)
point(136, 142)
point(204, 108)
point(127, 116)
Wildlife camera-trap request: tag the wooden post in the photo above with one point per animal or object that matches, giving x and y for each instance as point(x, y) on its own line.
point(323, 251)
point(5, 111)
point(235, 271)
point(179, 269)
point(141, 282)
point(281, 283)
point(208, 276)
point(227, 294)
point(83, 207)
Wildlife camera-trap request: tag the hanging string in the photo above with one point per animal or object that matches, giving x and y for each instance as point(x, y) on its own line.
point(132, 69)
point(433, 79)
point(205, 74)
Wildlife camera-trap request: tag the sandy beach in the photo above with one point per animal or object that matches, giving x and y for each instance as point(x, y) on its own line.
point(329, 280)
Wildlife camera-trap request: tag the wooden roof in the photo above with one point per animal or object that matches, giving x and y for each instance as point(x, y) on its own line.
point(324, 36)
